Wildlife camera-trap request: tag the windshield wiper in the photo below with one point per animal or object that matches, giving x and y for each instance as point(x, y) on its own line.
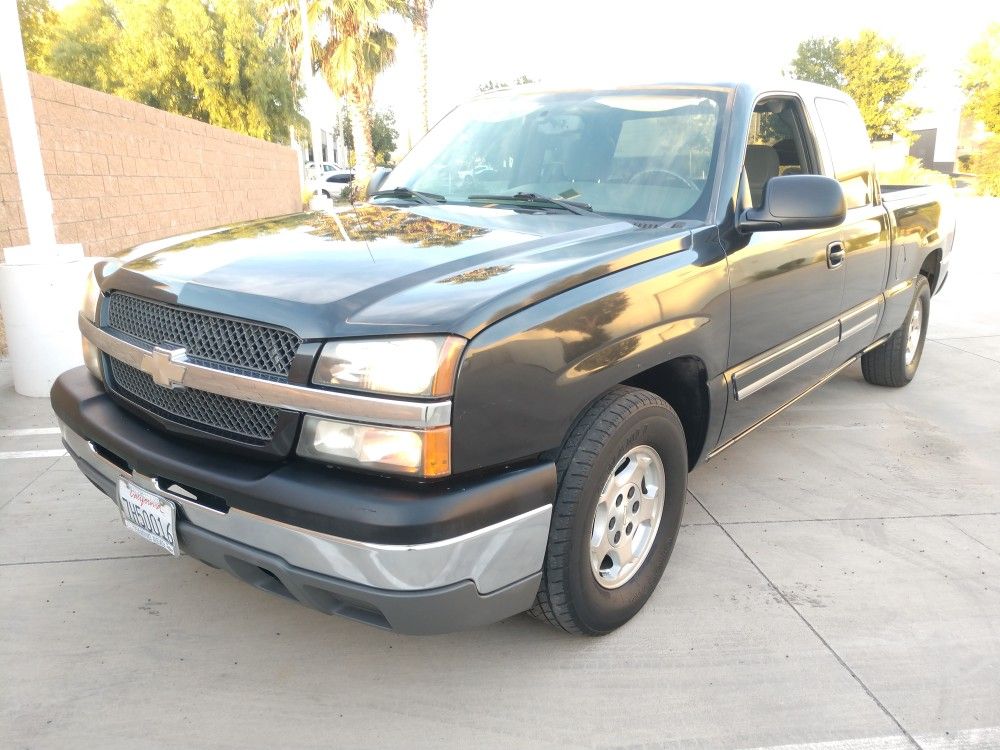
point(576, 207)
point(405, 193)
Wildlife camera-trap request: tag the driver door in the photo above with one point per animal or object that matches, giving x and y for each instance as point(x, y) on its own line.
point(785, 297)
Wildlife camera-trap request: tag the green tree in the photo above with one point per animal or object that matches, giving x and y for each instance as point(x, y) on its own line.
point(985, 165)
point(356, 50)
point(156, 57)
point(981, 79)
point(878, 75)
point(83, 46)
point(38, 22)
point(383, 134)
point(875, 73)
point(223, 62)
point(818, 60)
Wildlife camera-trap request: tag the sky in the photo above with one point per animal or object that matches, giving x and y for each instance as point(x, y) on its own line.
point(591, 42)
point(586, 42)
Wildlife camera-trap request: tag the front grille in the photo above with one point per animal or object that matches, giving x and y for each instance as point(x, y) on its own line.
point(214, 340)
point(231, 418)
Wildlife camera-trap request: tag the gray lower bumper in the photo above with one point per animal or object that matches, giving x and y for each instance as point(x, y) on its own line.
point(456, 583)
point(442, 610)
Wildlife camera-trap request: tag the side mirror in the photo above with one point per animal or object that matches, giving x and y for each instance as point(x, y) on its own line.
point(797, 201)
point(377, 178)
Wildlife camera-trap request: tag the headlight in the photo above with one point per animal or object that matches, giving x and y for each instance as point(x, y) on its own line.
point(89, 309)
point(403, 366)
point(91, 297)
point(92, 358)
point(425, 453)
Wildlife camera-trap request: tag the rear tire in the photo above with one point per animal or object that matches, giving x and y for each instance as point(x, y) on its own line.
point(894, 363)
point(608, 470)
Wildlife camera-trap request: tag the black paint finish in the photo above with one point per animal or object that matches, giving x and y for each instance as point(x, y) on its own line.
point(559, 307)
point(301, 492)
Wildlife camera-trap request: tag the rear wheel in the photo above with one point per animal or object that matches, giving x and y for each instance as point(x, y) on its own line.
point(622, 479)
point(895, 362)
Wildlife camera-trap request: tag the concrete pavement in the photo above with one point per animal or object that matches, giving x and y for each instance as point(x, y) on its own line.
point(836, 586)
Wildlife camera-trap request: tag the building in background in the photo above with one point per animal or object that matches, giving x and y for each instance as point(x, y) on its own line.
point(323, 108)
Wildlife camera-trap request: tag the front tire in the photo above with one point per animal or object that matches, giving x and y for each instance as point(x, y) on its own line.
point(894, 363)
point(622, 479)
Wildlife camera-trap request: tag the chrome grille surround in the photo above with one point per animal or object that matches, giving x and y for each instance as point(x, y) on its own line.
point(218, 341)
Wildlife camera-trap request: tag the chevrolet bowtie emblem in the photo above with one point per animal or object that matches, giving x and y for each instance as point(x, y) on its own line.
point(165, 366)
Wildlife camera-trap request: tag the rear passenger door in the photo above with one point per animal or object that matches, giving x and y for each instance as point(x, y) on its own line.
point(865, 232)
point(786, 299)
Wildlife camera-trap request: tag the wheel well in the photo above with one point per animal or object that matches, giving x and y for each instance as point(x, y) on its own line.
point(932, 268)
point(683, 384)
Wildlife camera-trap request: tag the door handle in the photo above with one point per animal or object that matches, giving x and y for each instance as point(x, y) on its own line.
point(835, 254)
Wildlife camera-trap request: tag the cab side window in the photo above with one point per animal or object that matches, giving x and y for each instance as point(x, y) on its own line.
point(850, 150)
point(776, 145)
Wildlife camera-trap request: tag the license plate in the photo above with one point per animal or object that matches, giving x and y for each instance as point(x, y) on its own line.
point(152, 517)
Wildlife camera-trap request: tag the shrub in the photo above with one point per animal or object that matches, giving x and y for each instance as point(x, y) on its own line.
point(986, 166)
point(913, 173)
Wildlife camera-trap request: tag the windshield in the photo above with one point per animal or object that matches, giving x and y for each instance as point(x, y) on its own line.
point(635, 154)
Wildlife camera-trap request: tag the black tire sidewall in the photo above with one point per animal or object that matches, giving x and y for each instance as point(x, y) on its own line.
point(598, 609)
point(922, 297)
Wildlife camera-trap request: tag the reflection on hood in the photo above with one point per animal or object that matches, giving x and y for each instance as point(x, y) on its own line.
point(367, 223)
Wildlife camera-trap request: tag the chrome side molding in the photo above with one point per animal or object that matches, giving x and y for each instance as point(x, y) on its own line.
point(716, 451)
point(831, 334)
point(744, 391)
point(858, 328)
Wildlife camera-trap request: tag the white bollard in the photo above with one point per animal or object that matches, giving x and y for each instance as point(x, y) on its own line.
point(40, 293)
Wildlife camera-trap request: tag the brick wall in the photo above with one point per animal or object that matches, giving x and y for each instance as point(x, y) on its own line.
point(121, 173)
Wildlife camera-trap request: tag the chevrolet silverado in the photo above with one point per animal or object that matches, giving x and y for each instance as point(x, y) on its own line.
point(481, 390)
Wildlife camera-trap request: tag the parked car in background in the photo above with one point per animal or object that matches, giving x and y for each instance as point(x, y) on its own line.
point(481, 392)
point(316, 171)
point(326, 179)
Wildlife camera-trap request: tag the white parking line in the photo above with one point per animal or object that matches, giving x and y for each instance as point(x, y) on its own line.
point(984, 738)
point(54, 453)
point(29, 431)
point(862, 743)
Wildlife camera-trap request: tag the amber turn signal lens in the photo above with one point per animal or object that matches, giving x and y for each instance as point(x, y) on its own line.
point(423, 453)
point(437, 452)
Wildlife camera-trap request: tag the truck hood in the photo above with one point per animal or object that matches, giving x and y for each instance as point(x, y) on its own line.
point(377, 269)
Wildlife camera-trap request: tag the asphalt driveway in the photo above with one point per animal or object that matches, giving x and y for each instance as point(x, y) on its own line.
point(836, 585)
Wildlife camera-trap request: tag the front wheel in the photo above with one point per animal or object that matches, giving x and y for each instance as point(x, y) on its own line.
point(622, 479)
point(895, 362)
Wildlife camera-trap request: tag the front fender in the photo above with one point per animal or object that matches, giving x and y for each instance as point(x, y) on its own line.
point(524, 380)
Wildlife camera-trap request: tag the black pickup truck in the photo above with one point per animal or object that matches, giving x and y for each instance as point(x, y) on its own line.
point(481, 391)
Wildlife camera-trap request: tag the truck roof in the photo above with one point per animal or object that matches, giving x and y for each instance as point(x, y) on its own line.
point(750, 87)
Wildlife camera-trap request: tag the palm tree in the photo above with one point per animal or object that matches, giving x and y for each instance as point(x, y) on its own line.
point(419, 11)
point(356, 51)
point(296, 19)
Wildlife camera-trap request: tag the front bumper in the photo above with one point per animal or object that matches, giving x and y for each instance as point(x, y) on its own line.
point(412, 558)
